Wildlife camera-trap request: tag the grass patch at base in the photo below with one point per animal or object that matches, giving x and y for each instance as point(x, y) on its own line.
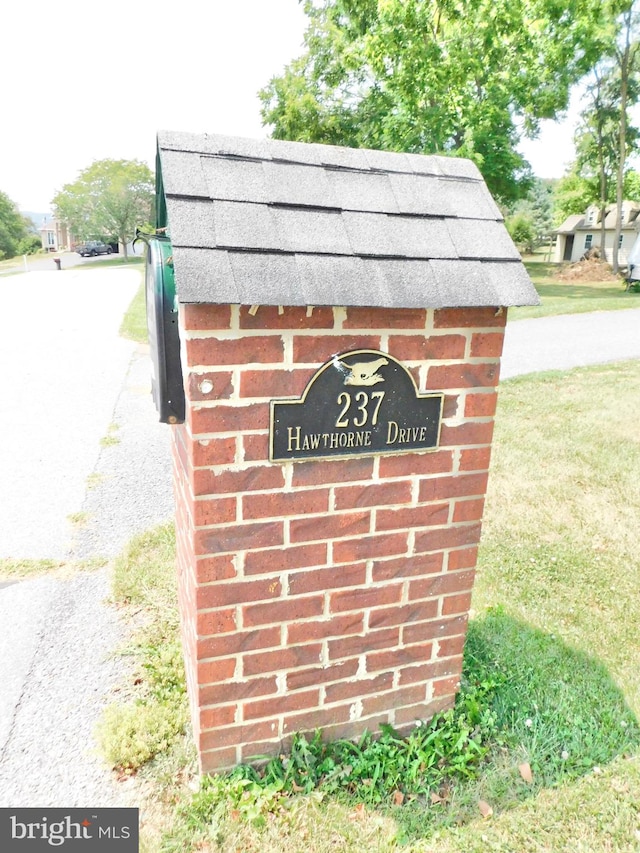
point(154, 718)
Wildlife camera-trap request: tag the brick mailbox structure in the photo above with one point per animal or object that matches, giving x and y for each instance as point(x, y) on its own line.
point(341, 316)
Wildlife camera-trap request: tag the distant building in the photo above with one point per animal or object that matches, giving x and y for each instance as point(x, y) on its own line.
point(55, 235)
point(581, 232)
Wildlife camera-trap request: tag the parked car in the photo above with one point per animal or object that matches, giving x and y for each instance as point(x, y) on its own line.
point(93, 248)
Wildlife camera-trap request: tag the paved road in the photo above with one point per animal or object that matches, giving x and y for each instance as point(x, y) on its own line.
point(68, 260)
point(63, 365)
point(567, 341)
point(67, 377)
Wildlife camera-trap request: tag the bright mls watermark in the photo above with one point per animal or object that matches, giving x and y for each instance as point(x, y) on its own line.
point(79, 830)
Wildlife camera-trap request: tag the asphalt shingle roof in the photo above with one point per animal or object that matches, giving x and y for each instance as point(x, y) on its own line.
point(268, 222)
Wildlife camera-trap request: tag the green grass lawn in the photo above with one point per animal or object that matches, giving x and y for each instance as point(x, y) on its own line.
point(119, 261)
point(565, 297)
point(553, 637)
point(134, 322)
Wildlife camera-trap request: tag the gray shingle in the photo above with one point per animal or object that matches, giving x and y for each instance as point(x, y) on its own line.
point(174, 140)
point(237, 146)
point(422, 194)
point(511, 282)
point(482, 239)
point(234, 180)
point(457, 167)
point(192, 223)
point(425, 164)
point(421, 237)
point(469, 199)
point(183, 175)
point(369, 233)
point(339, 156)
point(387, 161)
point(406, 284)
point(382, 235)
point(294, 152)
point(362, 191)
point(334, 280)
point(208, 143)
point(243, 225)
point(298, 185)
point(373, 286)
point(204, 275)
point(266, 279)
point(463, 284)
point(311, 230)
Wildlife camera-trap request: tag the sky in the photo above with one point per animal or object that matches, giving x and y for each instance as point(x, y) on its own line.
point(84, 82)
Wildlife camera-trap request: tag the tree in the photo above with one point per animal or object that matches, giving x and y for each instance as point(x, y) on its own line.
point(108, 200)
point(597, 138)
point(626, 55)
point(530, 220)
point(522, 230)
point(437, 76)
point(632, 185)
point(573, 194)
point(29, 245)
point(605, 138)
point(14, 228)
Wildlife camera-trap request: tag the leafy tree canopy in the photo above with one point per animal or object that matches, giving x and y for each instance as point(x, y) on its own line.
point(574, 193)
point(522, 229)
point(438, 76)
point(536, 209)
point(108, 199)
point(14, 228)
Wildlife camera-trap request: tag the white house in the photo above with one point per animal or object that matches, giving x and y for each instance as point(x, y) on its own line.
point(55, 235)
point(581, 232)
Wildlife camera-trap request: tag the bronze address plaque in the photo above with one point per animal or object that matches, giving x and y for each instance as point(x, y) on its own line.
point(362, 402)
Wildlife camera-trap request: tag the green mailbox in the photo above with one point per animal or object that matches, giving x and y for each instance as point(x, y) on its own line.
point(164, 340)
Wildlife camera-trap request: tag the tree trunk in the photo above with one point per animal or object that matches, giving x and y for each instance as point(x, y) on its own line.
point(601, 163)
point(625, 57)
point(621, 159)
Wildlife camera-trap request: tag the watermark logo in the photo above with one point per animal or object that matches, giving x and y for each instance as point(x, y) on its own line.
point(69, 830)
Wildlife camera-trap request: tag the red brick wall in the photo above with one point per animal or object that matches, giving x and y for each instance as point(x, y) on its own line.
point(328, 594)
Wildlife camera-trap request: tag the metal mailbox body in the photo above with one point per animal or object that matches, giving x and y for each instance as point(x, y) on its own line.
point(164, 339)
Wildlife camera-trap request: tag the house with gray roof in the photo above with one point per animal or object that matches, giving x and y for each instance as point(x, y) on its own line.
point(270, 222)
point(581, 232)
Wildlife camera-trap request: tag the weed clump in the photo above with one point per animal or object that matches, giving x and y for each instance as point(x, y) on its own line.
point(131, 735)
point(381, 769)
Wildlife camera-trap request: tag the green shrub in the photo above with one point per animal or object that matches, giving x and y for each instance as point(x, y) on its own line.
point(29, 245)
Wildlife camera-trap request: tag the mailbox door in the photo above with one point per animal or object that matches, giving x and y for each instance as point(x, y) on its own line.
point(164, 340)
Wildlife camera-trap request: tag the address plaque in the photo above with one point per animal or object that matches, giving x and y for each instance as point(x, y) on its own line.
point(362, 402)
